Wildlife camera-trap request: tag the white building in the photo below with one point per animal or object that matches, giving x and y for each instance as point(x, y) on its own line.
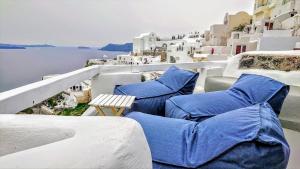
point(178, 48)
point(217, 42)
point(218, 35)
point(144, 42)
point(241, 42)
point(137, 60)
point(275, 27)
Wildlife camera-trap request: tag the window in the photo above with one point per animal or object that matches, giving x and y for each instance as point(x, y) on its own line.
point(172, 59)
point(269, 25)
point(236, 36)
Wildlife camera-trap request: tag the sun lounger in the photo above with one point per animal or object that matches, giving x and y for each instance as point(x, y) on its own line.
point(152, 95)
point(248, 90)
point(250, 137)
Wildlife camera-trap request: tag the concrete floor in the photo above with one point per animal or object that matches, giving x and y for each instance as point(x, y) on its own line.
point(293, 139)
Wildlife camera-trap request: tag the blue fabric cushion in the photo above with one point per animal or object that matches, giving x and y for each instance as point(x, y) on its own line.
point(258, 89)
point(152, 95)
point(250, 137)
point(145, 90)
point(248, 90)
point(179, 80)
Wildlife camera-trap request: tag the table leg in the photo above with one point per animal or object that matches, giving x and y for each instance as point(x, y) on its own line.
point(117, 112)
point(99, 111)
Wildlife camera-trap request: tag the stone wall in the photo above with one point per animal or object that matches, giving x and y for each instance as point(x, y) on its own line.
point(270, 62)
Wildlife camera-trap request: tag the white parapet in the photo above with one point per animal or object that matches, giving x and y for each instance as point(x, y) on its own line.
point(40, 141)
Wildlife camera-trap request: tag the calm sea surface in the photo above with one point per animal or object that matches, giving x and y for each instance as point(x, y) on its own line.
point(19, 67)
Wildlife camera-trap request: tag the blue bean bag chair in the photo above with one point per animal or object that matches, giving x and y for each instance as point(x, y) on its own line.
point(250, 137)
point(248, 90)
point(152, 95)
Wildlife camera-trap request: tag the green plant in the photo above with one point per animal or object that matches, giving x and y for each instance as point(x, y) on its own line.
point(28, 111)
point(77, 111)
point(52, 102)
point(89, 64)
point(239, 28)
point(143, 78)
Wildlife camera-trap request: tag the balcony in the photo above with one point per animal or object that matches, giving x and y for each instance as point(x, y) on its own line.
point(103, 78)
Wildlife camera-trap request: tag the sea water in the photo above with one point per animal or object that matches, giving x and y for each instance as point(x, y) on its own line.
point(19, 67)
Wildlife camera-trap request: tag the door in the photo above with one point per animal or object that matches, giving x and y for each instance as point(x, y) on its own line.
point(244, 48)
point(269, 25)
point(238, 49)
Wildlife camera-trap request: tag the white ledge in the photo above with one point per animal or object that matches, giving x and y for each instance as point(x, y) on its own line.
point(89, 143)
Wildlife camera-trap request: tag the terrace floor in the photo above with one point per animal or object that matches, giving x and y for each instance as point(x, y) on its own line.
point(293, 139)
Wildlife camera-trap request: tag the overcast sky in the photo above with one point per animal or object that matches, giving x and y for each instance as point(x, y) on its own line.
point(97, 22)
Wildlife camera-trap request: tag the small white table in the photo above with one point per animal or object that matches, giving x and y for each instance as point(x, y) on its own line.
point(117, 103)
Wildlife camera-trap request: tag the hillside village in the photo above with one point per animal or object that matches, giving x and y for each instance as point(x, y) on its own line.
point(274, 26)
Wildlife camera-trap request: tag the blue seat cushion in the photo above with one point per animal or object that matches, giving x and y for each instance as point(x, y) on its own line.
point(179, 80)
point(198, 107)
point(258, 89)
point(250, 137)
point(151, 96)
point(248, 90)
point(145, 90)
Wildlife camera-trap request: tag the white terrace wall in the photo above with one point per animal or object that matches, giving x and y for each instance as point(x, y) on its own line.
point(277, 43)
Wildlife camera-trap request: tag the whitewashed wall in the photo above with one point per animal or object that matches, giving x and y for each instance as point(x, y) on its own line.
point(277, 43)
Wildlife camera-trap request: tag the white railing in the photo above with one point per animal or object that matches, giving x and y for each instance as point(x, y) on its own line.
point(18, 99)
point(160, 67)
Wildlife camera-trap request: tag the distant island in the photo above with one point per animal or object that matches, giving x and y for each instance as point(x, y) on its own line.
point(9, 46)
point(15, 46)
point(83, 47)
point(127, 47)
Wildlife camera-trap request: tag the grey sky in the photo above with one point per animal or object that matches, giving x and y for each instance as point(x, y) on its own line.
point(97, 22)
